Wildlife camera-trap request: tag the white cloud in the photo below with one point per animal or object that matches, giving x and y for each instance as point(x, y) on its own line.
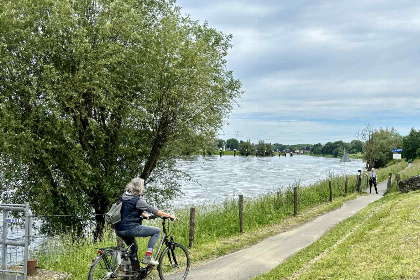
point(329, 60)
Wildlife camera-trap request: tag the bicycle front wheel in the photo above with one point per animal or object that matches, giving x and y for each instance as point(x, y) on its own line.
point(174, 263)
point(104, 267)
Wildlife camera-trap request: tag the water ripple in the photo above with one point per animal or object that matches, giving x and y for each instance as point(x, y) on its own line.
point(216, 178)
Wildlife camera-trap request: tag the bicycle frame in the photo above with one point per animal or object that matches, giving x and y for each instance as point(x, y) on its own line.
point(164, 240)
point(115, 255)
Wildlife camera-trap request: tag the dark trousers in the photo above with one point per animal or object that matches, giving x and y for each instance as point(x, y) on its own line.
point(372, 182)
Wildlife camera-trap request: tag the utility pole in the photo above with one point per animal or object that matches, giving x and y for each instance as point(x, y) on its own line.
point(237, 134)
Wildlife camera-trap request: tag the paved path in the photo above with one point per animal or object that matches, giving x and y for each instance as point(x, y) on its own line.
point(267, 254)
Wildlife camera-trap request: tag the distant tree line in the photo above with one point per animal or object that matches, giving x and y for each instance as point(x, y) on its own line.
point(374, 145)
point(261, 148)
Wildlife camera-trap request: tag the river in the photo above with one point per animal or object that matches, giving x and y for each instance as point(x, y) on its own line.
point(215, 178)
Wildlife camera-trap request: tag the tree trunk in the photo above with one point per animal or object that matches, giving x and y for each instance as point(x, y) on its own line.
point(153, 158)
point(100, 225)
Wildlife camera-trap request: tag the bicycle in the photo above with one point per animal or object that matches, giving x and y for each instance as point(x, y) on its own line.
point(115, 263)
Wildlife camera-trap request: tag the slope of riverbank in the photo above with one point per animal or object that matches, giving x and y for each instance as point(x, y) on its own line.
point(380, 242)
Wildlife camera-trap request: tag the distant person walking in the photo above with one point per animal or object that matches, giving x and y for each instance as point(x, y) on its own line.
point(372, 180)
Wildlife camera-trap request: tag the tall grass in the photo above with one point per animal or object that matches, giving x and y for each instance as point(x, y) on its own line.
point(71, 254)
point(222, 220)
point(404, 172)
point(414, 170)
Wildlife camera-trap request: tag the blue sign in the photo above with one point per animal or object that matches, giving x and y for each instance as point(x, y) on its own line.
point(397, 150)
point(12, 220)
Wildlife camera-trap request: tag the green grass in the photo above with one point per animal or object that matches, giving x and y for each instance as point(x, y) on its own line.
point(413, 170)
point(263, 216)
point(404, 172)
point(71, 254)
point(380, 242)
point(356, 156)
point(263, 211)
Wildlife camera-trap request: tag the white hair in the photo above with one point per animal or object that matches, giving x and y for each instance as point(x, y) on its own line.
point(135, 186)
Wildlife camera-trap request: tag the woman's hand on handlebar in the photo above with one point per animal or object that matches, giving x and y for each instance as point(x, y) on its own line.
point(164, 215)
point(173, 218)
point(152, 217)
point(144, 215)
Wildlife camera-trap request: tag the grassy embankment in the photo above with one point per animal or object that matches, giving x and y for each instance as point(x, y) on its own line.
point(217, 225)
point(381, 242)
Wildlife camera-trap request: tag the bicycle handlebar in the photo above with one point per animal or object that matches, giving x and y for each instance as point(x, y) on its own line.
point(152, 217)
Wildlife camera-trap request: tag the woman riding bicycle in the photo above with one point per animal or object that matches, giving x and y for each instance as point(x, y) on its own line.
point(132, 213)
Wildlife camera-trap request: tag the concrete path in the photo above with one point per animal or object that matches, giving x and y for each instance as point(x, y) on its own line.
point(267, 254)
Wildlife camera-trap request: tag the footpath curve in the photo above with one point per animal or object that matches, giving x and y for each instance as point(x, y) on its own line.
point(270, 252)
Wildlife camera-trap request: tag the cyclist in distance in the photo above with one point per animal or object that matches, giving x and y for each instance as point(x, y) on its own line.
point(132, 213)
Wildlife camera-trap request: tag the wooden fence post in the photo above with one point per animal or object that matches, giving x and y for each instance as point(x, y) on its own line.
point(241, 213)
point(358, 183)
point(388, 184)
point(192, 228)
point(31, 267)
point(295, 210)
point(367, 182)
point(329, 182)
point(345, 186)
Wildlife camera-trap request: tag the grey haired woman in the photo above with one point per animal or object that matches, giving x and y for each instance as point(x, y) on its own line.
point(133, 211)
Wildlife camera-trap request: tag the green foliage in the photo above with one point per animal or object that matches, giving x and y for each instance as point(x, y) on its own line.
point(94, 93)
point(232, 144)
point(356, 146)
point(336, 149)
point(221, 143)
point(378, 145)
point(264, 149)
point(317, 149)
point(246, 148)
point(384, 140)
point(411, 144)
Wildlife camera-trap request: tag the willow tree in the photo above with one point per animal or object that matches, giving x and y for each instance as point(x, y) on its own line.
point(378, 145)
point(94, 93)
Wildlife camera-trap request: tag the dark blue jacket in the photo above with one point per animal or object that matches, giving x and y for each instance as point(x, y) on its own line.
point(129, 215)
point(131, 210)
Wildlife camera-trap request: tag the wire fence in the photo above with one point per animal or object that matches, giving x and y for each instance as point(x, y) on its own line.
point(15, 231)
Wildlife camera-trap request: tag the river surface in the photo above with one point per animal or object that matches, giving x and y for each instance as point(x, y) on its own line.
point(215, 178)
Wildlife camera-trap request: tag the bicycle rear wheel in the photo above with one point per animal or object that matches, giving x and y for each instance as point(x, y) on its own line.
point(104, 267)
point(174, 263)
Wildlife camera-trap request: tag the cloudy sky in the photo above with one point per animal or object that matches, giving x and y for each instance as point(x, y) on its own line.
point(319, 70)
